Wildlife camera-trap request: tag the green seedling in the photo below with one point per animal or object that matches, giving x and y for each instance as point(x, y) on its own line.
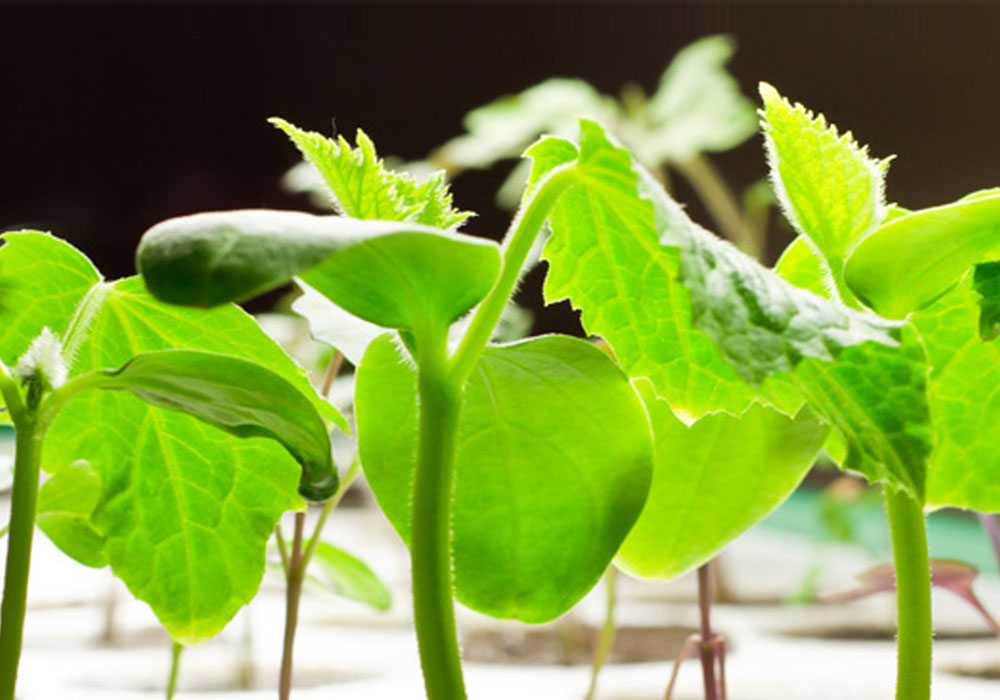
point(173, 440)
point(535, 454)
point(712, 330)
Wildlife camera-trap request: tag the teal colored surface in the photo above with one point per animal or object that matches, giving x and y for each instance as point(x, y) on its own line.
point(951, 534)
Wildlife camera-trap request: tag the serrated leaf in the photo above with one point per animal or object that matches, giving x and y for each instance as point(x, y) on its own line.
point(234, 395)
point(347, 576)
point(186, 509)
point(909, 262)
point(876, 396)
point(363, 188)
point(42, 281)
point(621, 249)
point(965, 466)
point(712, 481)
point(66, 503)
point(502, 128)
point(830, 189)
point(397, 275)
point(605, 256)
point(697, 107)
point(552, 468)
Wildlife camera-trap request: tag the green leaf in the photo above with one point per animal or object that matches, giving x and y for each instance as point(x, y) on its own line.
point(234, 395)
point(349, 577)
point(912, 260)
point(363, 188)
point(713, 481)
point(965, 466)
point(330, 324)
point(986, 282)
point(697, 107)
point(66, 503)
point(186, 509)
point(876, 396)
point(605, 256)
point(397, 275)
point(552, 468)
point(801, 266)
point(829, 188)
point(502, 128)
point(42, 282)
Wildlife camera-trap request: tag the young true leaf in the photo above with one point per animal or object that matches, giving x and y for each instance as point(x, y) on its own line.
point(234, 395)
point(186, 510)
point(940, 244)
point(66, 504)
point(397, 275)
point(965, 371)
point(799, 265)
point(540, 506)
point(830, 189)
point(363, 188)
point(712, 481)
point(622, 258)
point(349, 577)
point(876, 396)
point(605, 256)
point(697, 107)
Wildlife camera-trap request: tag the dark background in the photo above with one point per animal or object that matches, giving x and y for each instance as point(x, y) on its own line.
point(115, 116)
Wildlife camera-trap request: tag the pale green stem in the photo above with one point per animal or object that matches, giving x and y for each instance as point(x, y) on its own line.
point(24, 498)
point(719, 200)
point(607, 637)
point(346, 481)
point(175, 666)
point(293, 593)
point(430, 540)
point(521, 236)
point(913, 596)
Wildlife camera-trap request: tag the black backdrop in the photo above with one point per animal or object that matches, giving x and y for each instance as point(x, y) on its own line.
point(117, 115)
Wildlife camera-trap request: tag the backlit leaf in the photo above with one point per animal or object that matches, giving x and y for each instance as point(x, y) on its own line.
point(66, 503)
point(349, 577)
point(712, 481)
point(552, 468)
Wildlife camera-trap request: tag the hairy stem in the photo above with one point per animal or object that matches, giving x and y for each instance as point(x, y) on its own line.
point(293, 593)
point(175, 666)
point(607, 638)
point(430, 541)
point(517, 244)
point(24, 498)
point(706, 646)
point(913, 598)
point(719, 200)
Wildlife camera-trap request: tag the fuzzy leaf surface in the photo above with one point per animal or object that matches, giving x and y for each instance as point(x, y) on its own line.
point(877, 397)
point(186, 509)
point(965, 466)
point(712, 481)
point(830, 189)
point(912, 260)
point(397, 275)
point(363, 188)
point(553, 464)
point(605, 257)
point(234, 395)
